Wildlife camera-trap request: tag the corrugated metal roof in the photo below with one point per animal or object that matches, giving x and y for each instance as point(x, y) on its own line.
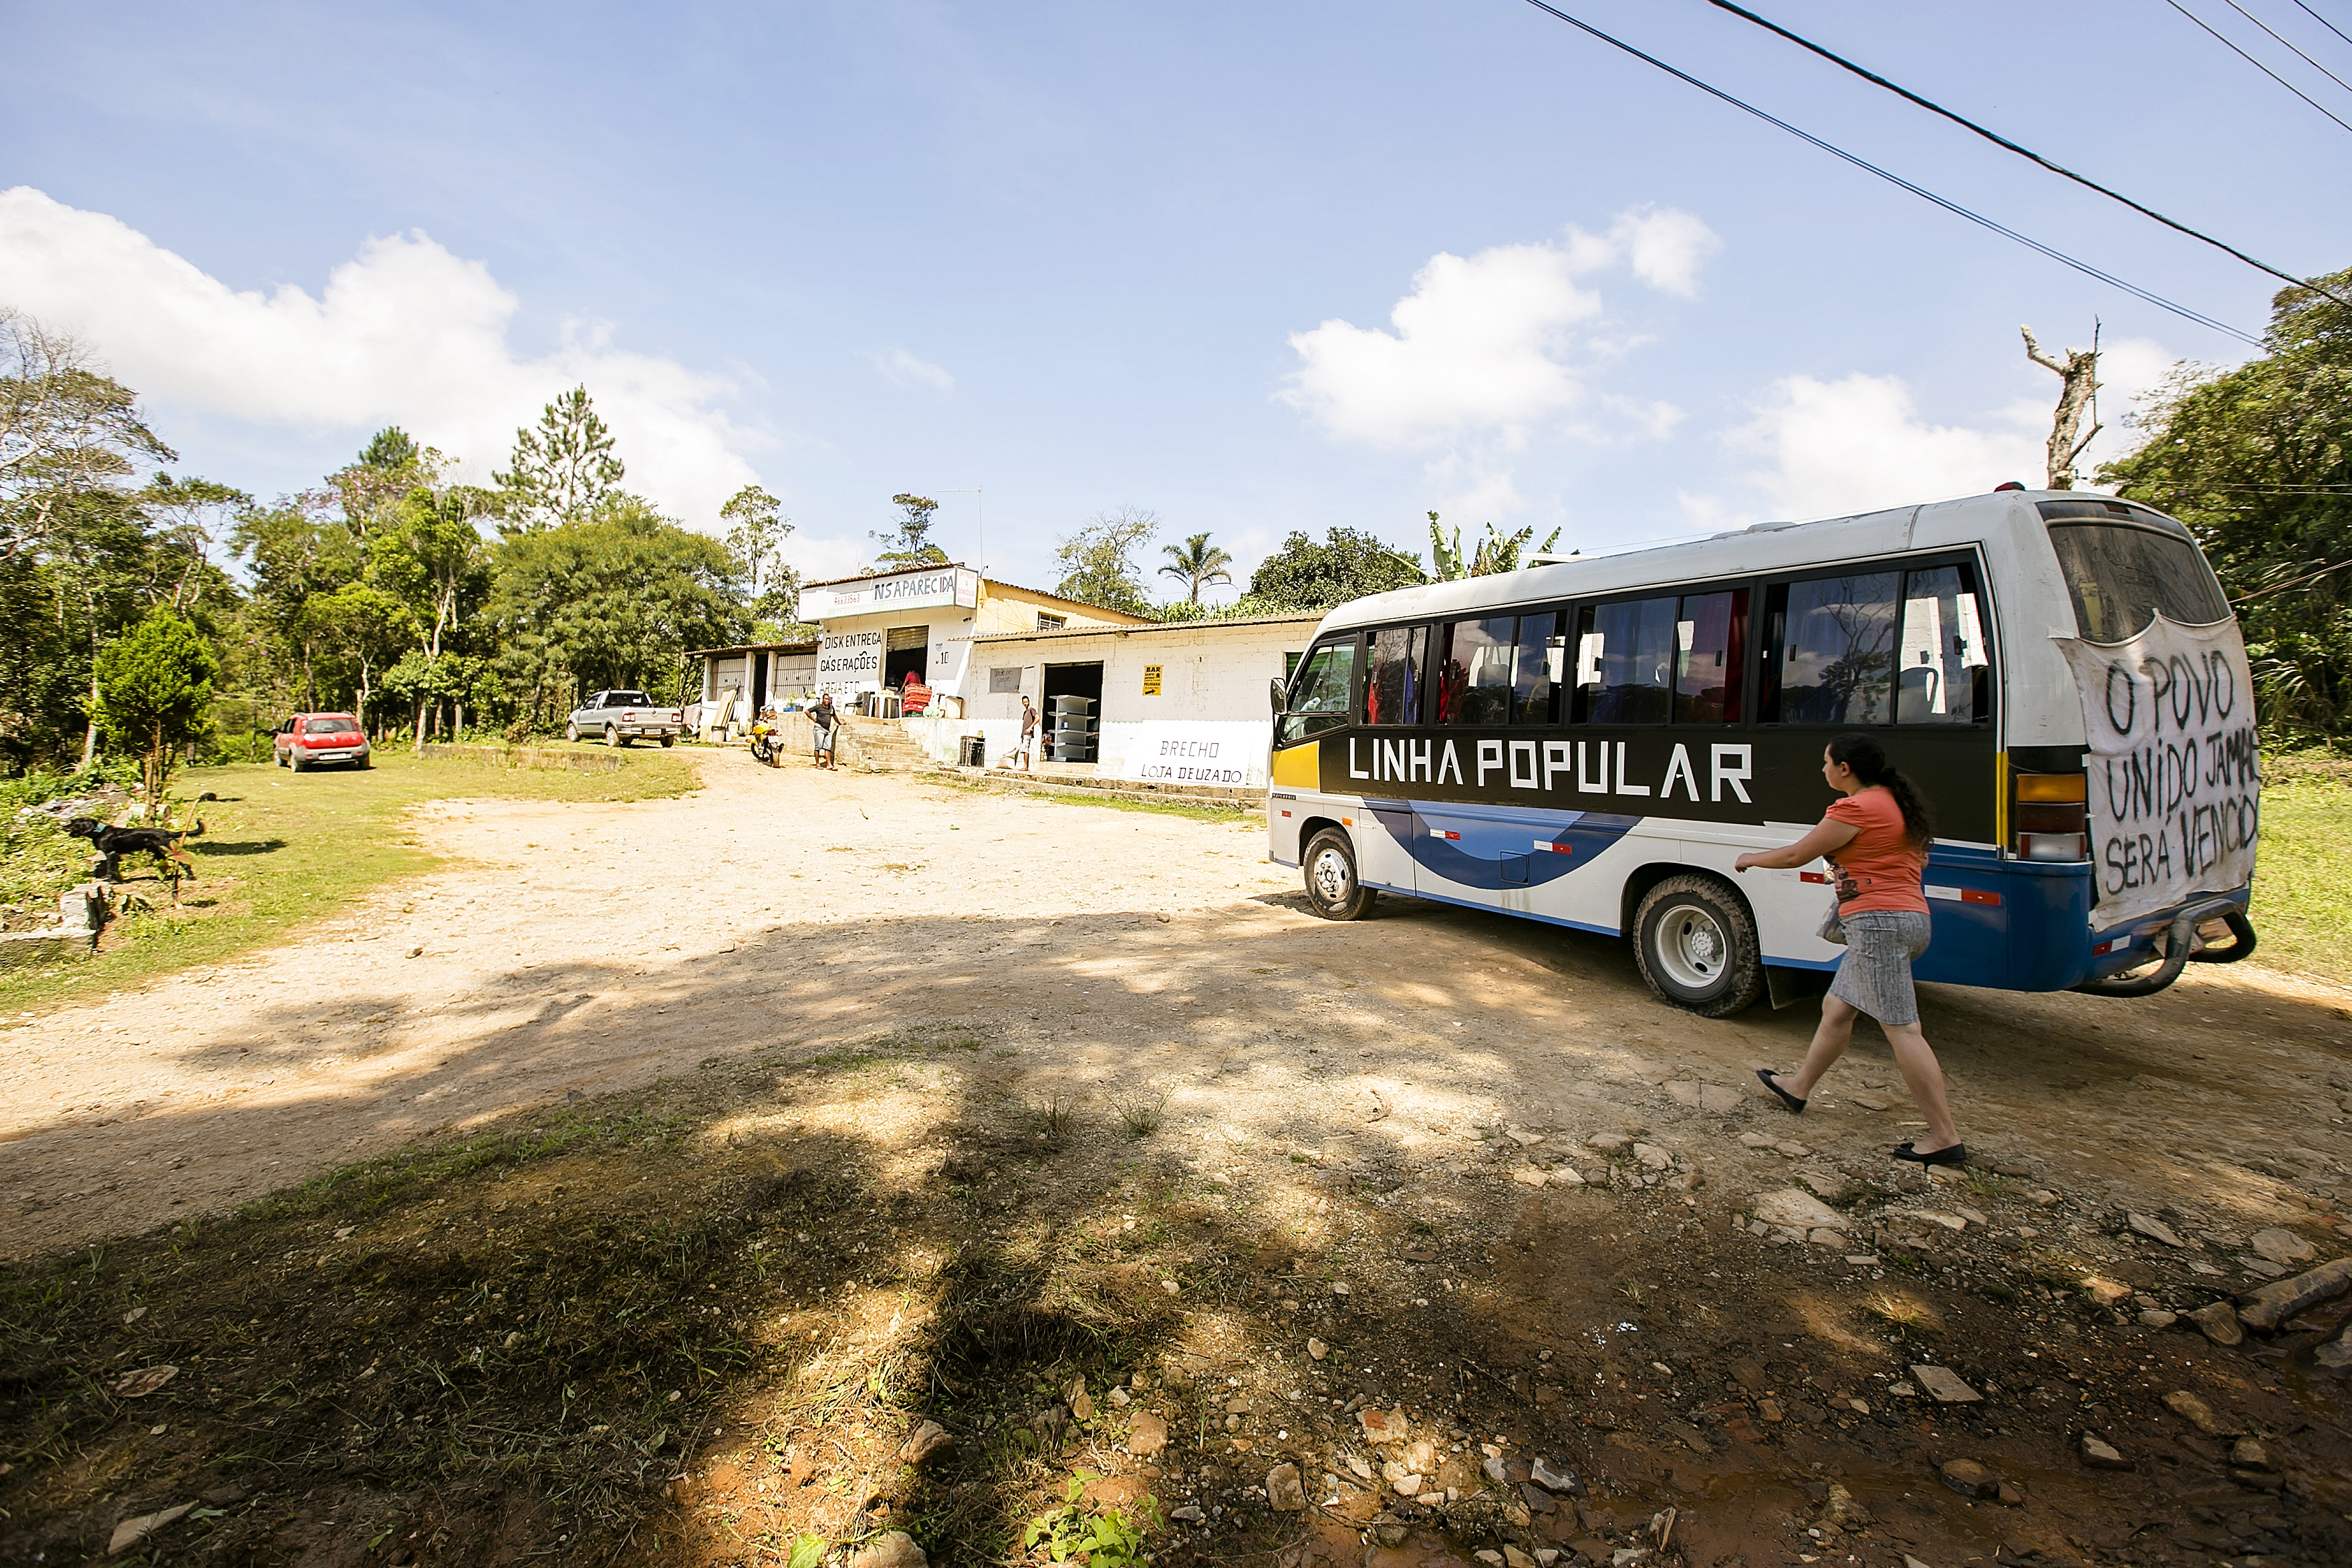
point(1302, 617)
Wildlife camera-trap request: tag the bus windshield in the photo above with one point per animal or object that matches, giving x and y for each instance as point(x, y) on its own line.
point(2119, 576)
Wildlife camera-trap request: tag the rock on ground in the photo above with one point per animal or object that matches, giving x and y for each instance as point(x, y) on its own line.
point(894, 1550)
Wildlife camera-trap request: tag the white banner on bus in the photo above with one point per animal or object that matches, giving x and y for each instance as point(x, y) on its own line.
point(2175, 776)
point(1230, 753)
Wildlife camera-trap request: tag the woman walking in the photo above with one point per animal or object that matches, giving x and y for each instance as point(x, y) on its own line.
point(1875, 837)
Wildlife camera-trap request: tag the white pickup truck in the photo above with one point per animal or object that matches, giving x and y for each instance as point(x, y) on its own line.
point(620, 716)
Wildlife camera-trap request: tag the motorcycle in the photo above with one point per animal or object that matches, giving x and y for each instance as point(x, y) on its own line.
point(768, 743)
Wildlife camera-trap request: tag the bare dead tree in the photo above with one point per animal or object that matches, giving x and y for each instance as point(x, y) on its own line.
point(2079, 390)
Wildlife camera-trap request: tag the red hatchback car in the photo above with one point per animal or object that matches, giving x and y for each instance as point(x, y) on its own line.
point(308, 739)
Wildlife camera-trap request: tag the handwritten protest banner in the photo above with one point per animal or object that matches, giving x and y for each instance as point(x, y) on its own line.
point(2175, 776)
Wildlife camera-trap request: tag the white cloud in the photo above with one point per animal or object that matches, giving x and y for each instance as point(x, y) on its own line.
point(905, 369)
point(1665, 248)
point(405, 334)
point(1835, 447)
point(1481, 347)
point(1830, 448)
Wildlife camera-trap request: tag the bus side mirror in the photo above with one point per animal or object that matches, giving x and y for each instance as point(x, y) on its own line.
point(1276, 695)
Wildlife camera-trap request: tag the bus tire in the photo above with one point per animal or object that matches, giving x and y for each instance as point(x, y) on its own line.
point(1333, 890)
point(1696, 942)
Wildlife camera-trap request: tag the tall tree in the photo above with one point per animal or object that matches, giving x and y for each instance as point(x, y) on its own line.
point(909, 544)
point(1305, 574)
point(365, 625)
point(1497, 552)
point(561, 471)
point(432, 559)
point(2258, 462)
point(295, 551)
point(155, 692)
point(388, 467)
point(1098, 562)
point(1197, 564)
point(612, 600)
point(756, 542)
point(65, 429)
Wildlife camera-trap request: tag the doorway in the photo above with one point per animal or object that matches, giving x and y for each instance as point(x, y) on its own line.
point(904, 653)
point(1075, 728)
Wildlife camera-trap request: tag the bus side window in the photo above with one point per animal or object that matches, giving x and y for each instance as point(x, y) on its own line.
point(1943, 667)
point(1393, 677)
point(1710, 658)
point(1541, 676)
point(1625, 662)
point(1319, 697)
point(1475, 662)
point(1832, 650)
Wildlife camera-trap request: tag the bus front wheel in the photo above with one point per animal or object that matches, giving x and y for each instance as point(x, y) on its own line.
point(1332, 886)
point(1696, 942)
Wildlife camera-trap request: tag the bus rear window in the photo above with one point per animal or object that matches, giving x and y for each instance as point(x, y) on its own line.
point(2120, 575)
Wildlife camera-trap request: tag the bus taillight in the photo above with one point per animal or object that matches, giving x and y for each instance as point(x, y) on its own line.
point(2051, 817)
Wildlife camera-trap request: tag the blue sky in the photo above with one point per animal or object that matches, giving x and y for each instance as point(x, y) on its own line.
point(1255, 266)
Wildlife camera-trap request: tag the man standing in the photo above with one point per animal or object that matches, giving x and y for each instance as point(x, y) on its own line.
point(1028, 734)
point(822, 721)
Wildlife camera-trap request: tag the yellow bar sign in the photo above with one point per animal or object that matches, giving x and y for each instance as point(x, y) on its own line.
point(1151, 680)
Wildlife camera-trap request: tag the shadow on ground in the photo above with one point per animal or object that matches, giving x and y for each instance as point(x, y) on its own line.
point(695, 1321)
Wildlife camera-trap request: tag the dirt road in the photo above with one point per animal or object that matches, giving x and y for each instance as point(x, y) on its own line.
point(576, 949)
point(1568, 1148)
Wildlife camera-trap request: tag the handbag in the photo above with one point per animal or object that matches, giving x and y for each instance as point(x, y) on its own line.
point(1832, 926)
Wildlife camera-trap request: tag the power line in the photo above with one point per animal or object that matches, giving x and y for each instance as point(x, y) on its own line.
point(2085, 268)
point(2282, 38)
point(2000, 141)
point(2258, 65)
point(2323, 21)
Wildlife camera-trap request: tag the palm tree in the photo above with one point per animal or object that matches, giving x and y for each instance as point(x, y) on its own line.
point(1198, 564)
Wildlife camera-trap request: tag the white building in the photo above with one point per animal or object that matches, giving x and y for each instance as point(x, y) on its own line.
point(1174, 703)
point(1180, 702)
point(876, 630)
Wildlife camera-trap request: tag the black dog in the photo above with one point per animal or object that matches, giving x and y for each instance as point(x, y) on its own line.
point(113, 843)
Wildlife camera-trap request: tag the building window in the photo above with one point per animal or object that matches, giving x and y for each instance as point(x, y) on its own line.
point(1047, 623)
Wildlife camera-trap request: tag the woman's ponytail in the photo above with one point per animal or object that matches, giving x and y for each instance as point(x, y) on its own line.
point(1867, 758)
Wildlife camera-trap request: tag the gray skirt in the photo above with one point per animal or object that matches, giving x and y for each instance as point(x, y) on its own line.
point(1874, 976)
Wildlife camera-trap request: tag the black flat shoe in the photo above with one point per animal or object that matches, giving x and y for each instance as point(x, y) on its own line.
point(1956, 1155)
point(1796, 1107)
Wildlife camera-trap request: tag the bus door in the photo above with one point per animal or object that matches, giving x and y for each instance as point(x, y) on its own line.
point(1382, 761)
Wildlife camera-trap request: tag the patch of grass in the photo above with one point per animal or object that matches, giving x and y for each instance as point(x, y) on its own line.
point(1140, 1113)
point(1057, 1118)
point(281, 849)
point(1100, 1538)
point(2303, 874)
point(1119, 800)
point(1903, 1311)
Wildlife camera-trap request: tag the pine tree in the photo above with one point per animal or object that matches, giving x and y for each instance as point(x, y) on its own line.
point(561, 471)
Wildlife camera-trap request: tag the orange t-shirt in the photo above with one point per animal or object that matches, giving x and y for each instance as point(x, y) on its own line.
point(1879, 868)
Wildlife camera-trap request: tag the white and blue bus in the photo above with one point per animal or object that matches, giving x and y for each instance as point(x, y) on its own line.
point(1592, 742)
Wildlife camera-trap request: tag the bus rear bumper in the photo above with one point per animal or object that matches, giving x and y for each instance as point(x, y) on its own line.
point(2180, 946)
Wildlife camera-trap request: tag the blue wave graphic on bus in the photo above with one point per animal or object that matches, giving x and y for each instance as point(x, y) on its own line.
point(1495, 854)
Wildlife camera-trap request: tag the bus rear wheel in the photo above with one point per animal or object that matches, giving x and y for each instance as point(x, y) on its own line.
point(1696, 942)
point(1332, 887)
